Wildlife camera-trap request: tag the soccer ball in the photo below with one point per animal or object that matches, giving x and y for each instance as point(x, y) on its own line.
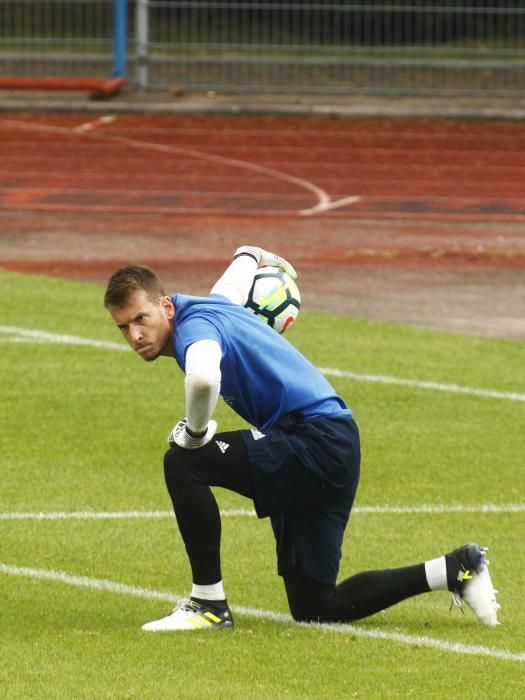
point(274, 298)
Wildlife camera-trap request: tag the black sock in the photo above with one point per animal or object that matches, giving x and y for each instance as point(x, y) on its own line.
point(453, 569)
point(218, 605)
point(372, 591)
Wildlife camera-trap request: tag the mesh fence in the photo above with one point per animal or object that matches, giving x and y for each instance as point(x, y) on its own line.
point(47, 38)
point(378, 47)
point(445, 47)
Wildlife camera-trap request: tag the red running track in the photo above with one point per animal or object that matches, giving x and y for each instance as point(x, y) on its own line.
point(263, 166)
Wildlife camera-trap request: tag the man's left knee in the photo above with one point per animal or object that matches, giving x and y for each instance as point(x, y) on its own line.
point(306, 598)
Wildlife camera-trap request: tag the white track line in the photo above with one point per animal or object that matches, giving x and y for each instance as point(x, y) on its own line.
point(356, 631)
point(89, 126)
point(441, 509)
point(321, 207)
point(324, 201)
point(15, 334)
point(322, 197)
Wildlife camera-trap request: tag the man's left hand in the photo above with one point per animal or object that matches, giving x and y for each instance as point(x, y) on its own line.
point(264, 258)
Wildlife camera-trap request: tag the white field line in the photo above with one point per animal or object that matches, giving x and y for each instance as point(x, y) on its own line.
point(14, 334)
point(113, 515)
point(434, 386)
point(149, 594)
point(324, 201)
point(441, 509)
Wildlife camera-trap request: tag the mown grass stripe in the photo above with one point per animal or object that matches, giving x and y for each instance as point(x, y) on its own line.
point(146, 593)
point(16, 334)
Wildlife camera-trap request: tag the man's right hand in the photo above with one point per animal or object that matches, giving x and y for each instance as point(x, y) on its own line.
point(181, 437)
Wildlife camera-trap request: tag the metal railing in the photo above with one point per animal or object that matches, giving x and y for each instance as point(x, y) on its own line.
point(66, 38)
point(432, 47)
point(447, 47)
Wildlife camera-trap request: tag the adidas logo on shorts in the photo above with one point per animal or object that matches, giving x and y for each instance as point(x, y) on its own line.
point(256, 434)
point(223, 446)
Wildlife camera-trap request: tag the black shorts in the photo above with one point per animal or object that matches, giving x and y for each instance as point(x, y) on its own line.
point(305, 475)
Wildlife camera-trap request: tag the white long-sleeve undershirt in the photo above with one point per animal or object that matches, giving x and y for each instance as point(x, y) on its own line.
point(237, 280)
point(203, 358)
point(202, 382)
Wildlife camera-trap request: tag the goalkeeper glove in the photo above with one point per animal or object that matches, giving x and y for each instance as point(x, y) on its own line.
point(264, 258)
point(181, 437)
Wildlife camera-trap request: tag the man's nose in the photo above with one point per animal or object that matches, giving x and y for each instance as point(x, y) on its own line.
point(135, 334)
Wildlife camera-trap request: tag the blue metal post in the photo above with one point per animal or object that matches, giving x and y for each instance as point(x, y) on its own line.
point(120, 36)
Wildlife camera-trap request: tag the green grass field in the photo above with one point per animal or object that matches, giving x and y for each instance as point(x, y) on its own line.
point(83, 430)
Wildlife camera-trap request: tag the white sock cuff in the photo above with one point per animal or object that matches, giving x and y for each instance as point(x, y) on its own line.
point(214, 591)
point(436, 573)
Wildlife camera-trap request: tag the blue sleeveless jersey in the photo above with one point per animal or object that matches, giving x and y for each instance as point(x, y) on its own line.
point(263, 376)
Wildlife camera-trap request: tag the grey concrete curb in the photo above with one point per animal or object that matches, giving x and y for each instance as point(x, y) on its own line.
point(233, 105)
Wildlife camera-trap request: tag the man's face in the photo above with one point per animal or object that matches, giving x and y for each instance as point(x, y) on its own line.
point(147, 325)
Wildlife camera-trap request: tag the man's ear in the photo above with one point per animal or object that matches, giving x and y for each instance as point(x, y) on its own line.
point(168, 307)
